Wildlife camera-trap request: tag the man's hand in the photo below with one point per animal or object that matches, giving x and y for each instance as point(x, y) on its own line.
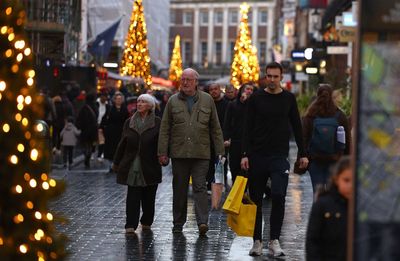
point(303, 162)
point(245, 163)
point(163, 160)
point(227, 143)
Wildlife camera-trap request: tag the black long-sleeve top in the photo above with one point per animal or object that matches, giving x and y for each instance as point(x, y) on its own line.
point(234, 120)
point(267, 129)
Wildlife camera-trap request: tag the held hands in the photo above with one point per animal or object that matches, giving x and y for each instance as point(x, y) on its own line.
point(245, 163)
point(303, 162)
point(163, 160)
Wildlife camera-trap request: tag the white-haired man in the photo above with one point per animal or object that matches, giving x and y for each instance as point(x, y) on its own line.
point(189, 126)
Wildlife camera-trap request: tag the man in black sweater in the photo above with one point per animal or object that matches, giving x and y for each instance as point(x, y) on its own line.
point(265, 150)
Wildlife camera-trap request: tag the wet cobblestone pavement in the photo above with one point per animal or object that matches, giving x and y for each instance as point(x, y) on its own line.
point(95, 208)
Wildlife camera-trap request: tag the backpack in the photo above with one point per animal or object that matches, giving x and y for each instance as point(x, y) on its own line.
point(323, 140)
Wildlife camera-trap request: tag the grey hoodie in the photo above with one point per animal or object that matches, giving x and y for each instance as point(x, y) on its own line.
point(69, 135)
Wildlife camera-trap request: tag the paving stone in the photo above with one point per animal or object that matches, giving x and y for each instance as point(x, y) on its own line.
point(95, 207)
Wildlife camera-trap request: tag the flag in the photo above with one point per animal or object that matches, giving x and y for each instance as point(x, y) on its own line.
point(100, 47)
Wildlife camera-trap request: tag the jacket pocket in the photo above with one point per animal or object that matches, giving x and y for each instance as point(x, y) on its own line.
point(204, 115)
point(178, 115)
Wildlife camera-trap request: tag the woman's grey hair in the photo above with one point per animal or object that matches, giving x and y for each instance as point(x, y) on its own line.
point(149, 99)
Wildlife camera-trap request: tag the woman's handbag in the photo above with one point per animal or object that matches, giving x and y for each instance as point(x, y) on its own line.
point(234, 200)
point(243, 223)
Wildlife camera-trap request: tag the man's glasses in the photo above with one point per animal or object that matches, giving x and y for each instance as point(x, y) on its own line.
point(188, 80)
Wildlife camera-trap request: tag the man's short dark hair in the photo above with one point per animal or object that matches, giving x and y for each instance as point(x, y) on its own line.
point(274, 65)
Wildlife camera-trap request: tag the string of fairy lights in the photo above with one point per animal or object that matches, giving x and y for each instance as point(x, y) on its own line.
point(25, 228)
point(245, 66)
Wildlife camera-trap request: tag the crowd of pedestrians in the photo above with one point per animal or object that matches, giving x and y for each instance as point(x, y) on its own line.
point(191, 129)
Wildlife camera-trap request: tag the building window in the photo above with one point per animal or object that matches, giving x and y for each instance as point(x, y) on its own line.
point(250, 17)
point(262, 52)
point(187, 53)
point(187, 18)
point(172, 17)
point(218, 17)
point(263, 17)
point(203, 18)
point(218, 53)
point(233, 17)
point(203, 53)
point(231, 50)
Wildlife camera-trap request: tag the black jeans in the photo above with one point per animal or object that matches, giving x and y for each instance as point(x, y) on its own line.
point(68, 152)
point(262, 168)
point(145, 196)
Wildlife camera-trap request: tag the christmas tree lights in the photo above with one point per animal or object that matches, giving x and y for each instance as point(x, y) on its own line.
point(136, 60)
point(27, 231)
point(245, 66)
point(175, 67)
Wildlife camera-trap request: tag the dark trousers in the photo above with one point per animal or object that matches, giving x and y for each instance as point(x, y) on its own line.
point(319, 173)
point(68, 152)
point(182, 169)
point(145, 196)
point(100, 150)
point(87, 150)
point(262, 168)
point(235, 157)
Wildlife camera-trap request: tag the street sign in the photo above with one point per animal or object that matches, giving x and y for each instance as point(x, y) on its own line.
point(298, 55)
point(337, 50)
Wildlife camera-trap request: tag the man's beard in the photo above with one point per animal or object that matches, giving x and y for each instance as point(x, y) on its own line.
point(271, 86)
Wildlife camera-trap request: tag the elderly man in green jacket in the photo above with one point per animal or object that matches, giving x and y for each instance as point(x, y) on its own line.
point(189, 125)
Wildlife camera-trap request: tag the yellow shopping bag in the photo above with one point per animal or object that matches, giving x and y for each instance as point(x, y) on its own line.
point(243, 223)
point(234, 199)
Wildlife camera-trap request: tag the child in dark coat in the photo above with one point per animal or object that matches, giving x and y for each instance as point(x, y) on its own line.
point(327, 227)
point(69, 136)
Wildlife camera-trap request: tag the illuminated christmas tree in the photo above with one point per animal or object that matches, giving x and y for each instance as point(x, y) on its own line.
point(175, 67)
point(27, 231)
point(245, 66)
point(136, 60)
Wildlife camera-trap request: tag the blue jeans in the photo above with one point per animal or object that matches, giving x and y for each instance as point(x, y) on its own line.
point(319, 173)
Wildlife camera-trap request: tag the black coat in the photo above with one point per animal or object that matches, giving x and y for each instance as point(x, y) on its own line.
point(87, 123)
point(128, 148)
point(112, 125)
point(234, 121)
point(327, 229)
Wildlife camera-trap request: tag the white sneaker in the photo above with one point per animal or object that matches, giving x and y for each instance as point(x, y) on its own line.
point(256, 250)
point(275, 248)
